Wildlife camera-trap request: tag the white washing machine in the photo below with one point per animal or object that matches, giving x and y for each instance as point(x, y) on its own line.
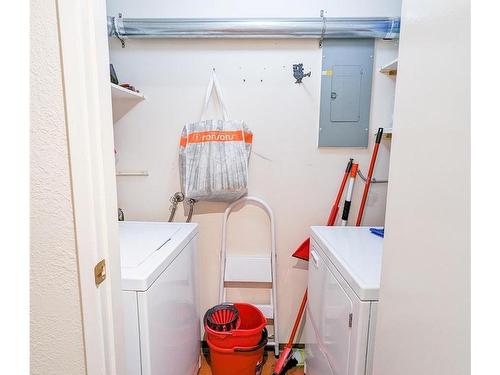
point(159, 290)
point(343, 292)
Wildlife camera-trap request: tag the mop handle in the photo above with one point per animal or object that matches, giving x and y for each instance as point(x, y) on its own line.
point(369, 177)
point(297, 321)
point(335, 208)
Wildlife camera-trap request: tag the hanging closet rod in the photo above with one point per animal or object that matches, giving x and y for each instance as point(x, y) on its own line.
point(320, 27)
point(132, 173)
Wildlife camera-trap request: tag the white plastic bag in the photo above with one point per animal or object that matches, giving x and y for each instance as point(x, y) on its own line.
point(213, 155)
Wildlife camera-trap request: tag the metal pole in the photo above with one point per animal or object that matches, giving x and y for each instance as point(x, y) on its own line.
point(320, 27)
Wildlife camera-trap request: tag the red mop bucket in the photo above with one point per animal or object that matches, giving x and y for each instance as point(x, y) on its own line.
point(248, 333)
point(238, 360)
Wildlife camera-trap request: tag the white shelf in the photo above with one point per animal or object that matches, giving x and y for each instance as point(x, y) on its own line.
point(390, 68)
point(123, 100)
point(386, 131)
point(387, 134)
point(125, 94)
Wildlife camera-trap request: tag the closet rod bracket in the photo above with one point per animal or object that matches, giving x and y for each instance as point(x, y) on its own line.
point(323, 30)
point(117, 26)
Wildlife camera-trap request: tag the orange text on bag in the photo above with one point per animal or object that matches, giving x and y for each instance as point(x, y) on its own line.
point(217, 136)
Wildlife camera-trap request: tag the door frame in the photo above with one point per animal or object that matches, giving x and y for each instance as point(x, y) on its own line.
point(87, 99)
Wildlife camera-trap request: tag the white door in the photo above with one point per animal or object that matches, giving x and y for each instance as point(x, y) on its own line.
point(331, 312)
point(87, 99)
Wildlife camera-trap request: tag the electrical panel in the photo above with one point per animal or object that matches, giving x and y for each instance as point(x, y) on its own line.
point(346, 84)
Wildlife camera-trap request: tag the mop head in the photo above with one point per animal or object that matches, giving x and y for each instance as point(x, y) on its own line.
point(299, 356)
point(289, 365)
point(294, 358)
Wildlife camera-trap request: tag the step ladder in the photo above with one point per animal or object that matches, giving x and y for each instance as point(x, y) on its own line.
point(251, 271)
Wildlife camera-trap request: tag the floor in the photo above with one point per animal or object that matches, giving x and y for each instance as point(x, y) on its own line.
point(267, 370)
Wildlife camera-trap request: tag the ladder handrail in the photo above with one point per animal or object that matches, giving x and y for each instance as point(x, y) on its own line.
point(262, 204)
point(227, 212)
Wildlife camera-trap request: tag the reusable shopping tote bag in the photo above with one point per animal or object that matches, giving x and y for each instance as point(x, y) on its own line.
point(214, 154)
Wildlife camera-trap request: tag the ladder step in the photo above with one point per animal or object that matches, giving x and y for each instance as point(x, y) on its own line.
point(267, 310)
point(247, 284)
point(241, 269)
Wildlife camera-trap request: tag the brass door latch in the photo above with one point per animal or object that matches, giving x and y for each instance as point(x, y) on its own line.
point(100, 272)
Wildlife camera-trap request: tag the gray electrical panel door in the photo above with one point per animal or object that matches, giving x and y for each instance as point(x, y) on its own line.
point(346, 89)
point(346, 83)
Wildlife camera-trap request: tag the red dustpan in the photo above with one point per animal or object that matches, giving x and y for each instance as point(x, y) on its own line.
point(302, 251)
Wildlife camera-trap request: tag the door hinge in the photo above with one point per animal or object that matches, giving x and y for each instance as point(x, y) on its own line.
point(350, 320)
point(100, 272)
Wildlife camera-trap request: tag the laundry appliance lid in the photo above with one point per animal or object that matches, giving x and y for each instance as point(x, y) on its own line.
point(147, 248)
point(357, 254)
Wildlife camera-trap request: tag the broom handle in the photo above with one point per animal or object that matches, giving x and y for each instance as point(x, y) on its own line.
point(348, 195)
point(335, 208)
point(369, 177)
point(297, 320)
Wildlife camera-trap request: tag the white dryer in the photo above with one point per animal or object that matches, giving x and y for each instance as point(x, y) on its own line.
point(343, 292)
point(159, 290)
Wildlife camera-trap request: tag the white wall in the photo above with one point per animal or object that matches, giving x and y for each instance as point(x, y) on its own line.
point(256, 8)
point(286, 168)
point(423, 323)
point(56, 321)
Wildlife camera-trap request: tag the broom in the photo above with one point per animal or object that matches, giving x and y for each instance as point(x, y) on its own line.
point(285, 360)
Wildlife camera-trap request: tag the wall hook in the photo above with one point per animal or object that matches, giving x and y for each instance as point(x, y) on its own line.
point(298, 72)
